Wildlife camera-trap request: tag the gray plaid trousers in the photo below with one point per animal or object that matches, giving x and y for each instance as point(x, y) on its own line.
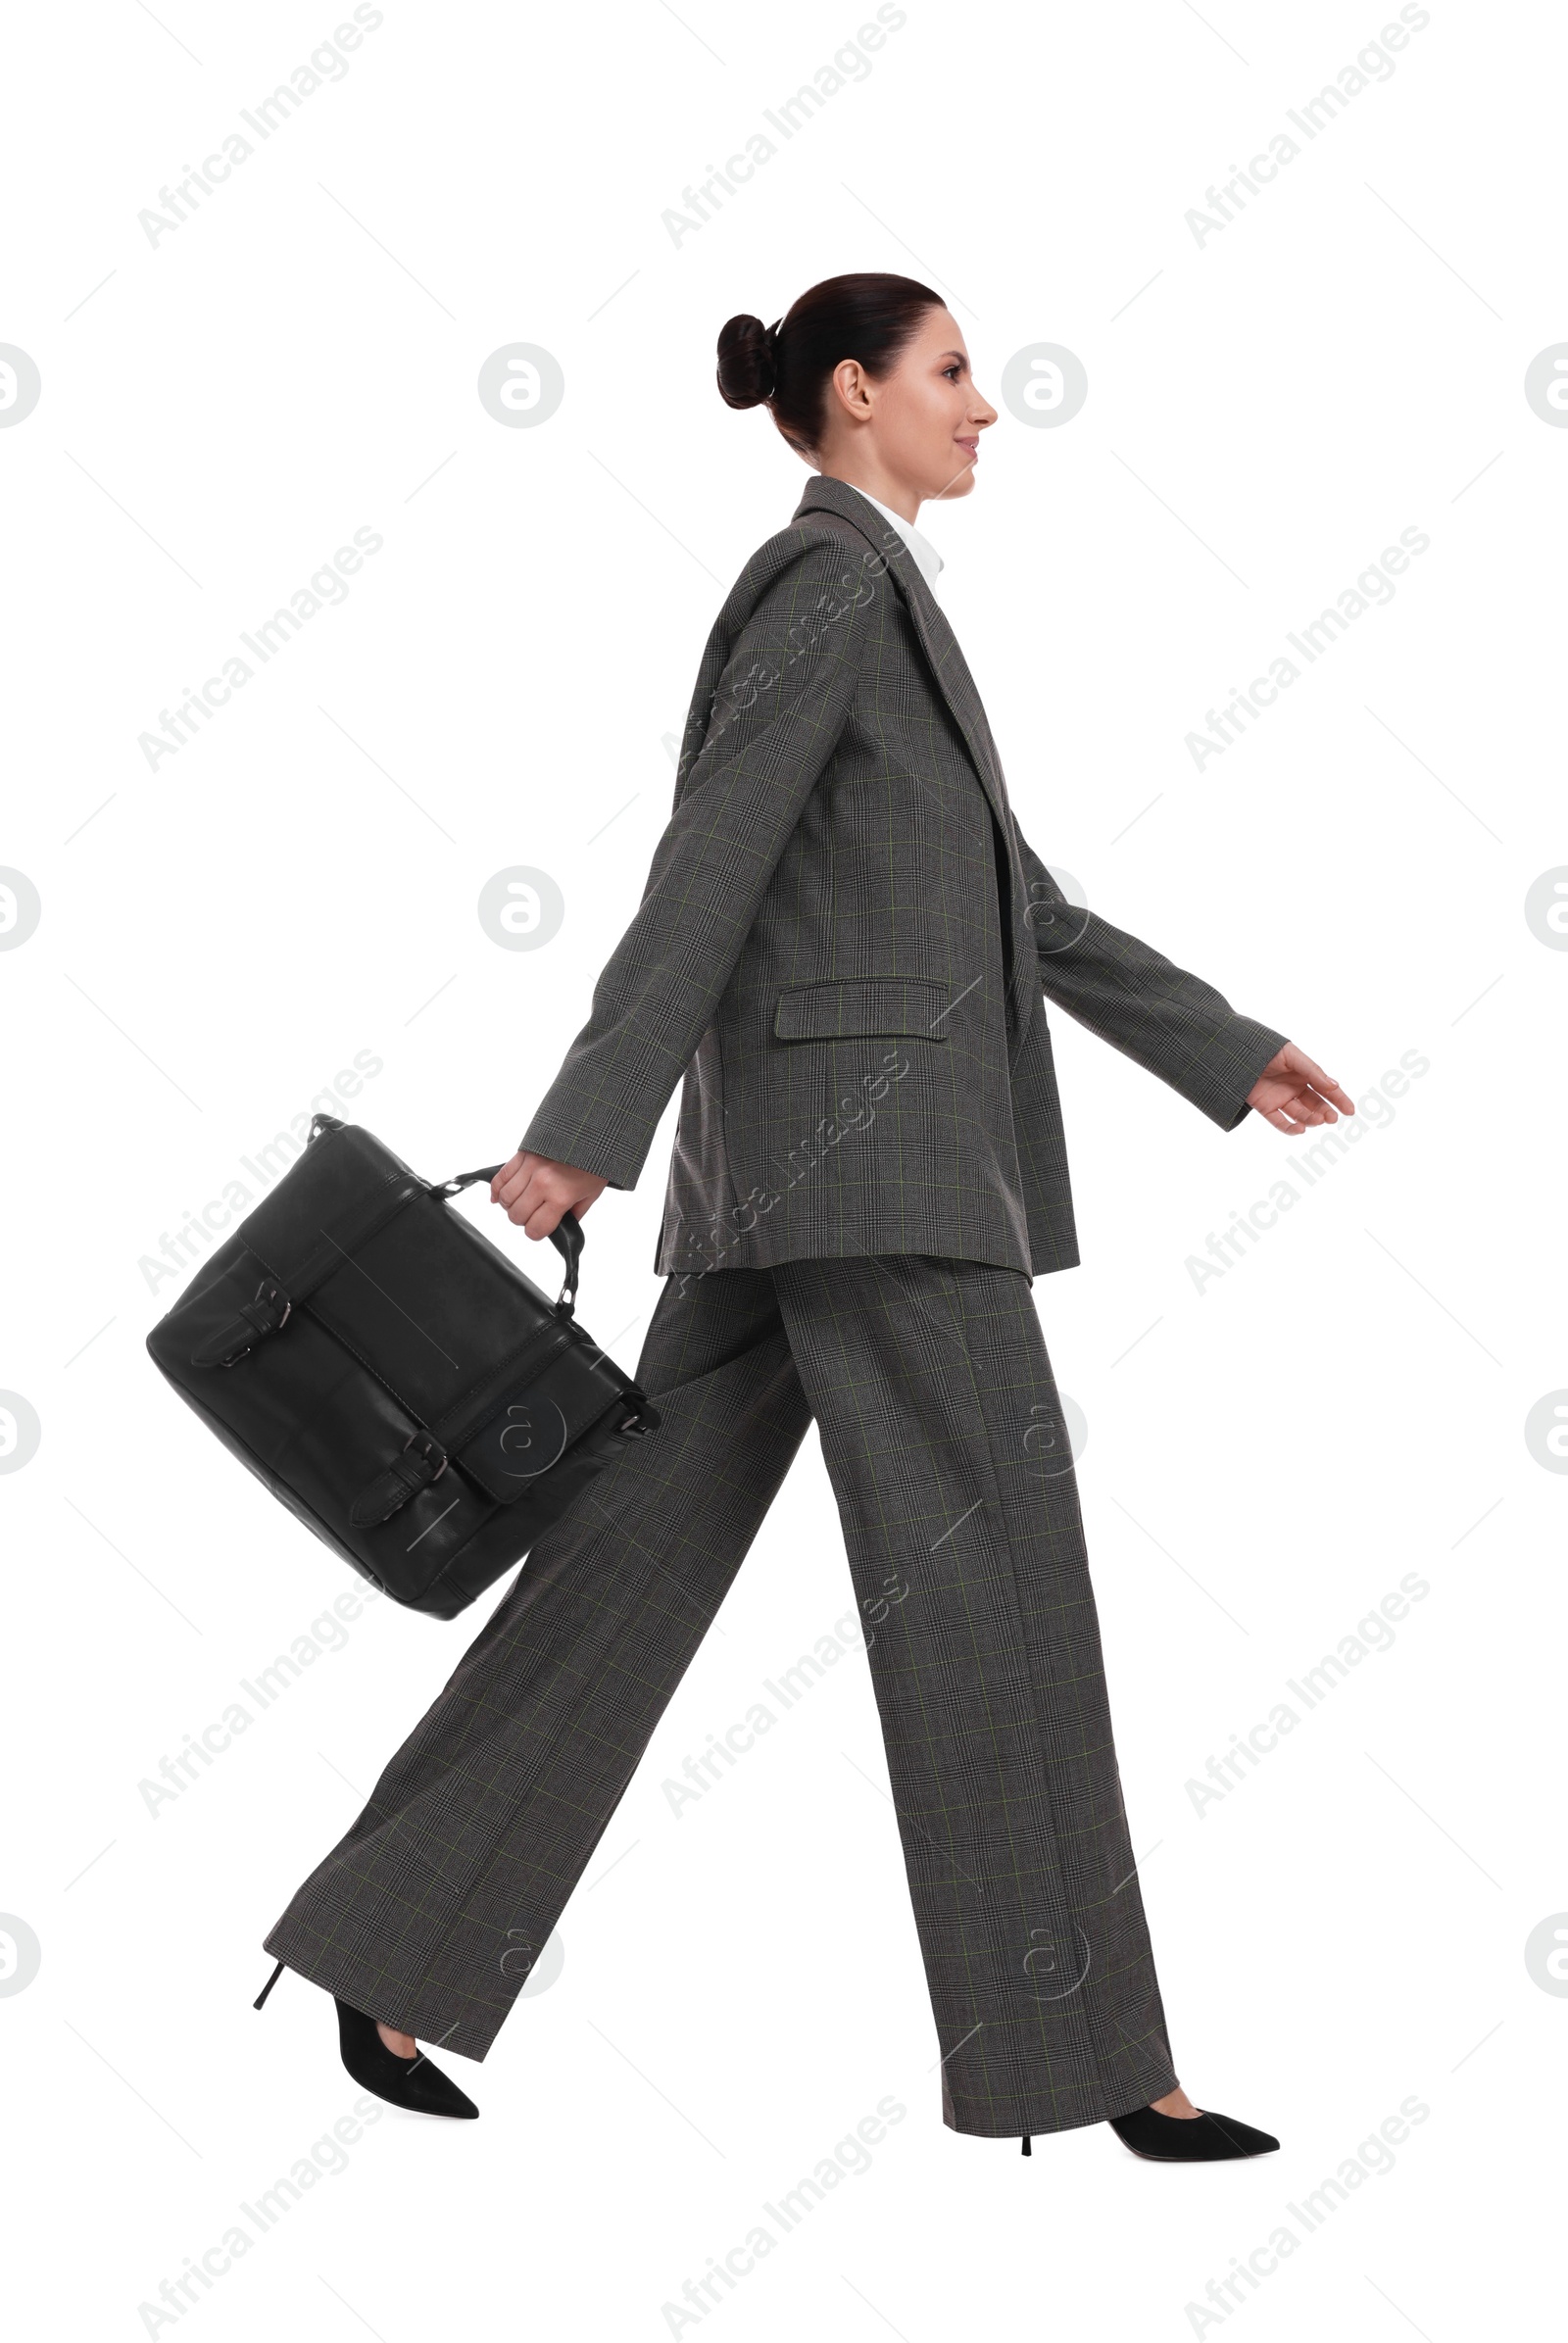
point(942, 1434)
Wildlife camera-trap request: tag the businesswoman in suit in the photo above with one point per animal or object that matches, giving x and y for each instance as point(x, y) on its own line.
point(845, 947)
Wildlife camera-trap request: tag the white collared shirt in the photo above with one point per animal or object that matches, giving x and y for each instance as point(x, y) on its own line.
point(927, 559)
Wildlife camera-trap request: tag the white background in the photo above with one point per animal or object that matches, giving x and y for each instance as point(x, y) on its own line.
point(1346, 1928)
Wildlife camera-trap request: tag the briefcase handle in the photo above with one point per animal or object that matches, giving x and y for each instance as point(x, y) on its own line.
point(565, 1236)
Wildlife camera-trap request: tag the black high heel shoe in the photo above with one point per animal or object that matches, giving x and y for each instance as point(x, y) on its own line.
point(1185, 2140)
point(411, 2082)
point(1203, 2139)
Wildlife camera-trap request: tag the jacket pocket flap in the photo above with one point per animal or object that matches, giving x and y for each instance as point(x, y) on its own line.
point(842, 1008)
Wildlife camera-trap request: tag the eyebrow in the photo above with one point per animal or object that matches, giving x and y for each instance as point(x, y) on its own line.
point(959, 355)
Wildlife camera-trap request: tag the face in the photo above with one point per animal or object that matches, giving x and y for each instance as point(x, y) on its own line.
point(923, 421)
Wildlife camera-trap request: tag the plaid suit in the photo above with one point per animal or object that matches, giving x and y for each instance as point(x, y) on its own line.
point(820, 949)
point(843, 942)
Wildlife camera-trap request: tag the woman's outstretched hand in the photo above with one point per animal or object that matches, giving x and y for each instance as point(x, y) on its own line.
point(536, 1190)
point(1292, 1093)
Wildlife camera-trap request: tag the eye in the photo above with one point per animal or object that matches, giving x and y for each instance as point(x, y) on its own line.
point(954, 371)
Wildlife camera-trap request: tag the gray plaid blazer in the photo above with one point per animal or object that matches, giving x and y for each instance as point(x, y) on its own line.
point(845, 945)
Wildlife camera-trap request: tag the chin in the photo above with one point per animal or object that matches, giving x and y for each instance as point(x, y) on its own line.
point(964, 485)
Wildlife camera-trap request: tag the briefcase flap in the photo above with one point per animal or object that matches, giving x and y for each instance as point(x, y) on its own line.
point(535, 1425)
point(432, 1303)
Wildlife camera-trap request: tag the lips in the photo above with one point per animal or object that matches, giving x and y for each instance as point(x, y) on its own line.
point(973, 446)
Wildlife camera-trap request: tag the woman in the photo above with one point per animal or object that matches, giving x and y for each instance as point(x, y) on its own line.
point(845, 945)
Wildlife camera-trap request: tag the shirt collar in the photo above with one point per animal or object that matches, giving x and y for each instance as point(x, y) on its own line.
point(927, 559)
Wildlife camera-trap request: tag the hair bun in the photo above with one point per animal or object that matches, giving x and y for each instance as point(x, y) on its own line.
point(748, 363)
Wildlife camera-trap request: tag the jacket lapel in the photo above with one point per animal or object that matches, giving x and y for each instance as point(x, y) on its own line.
point(937, 638)
point(957, 688)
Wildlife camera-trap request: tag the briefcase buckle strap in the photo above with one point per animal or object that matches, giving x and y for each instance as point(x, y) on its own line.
point(429, 1448)
point(420, 1461)
point(271, 1294)
point(262, 1316)
point(267, 1313)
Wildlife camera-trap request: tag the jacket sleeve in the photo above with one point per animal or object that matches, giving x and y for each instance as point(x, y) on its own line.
point(1170, 1023)
point(779, 710)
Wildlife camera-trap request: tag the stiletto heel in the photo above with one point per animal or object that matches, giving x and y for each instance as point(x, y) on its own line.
point(1027, 2149)
point(408, 2082)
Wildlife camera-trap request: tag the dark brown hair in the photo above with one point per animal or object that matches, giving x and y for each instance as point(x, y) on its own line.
point(786, 367)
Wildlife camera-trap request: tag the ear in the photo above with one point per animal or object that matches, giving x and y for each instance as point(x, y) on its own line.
point(852, 390)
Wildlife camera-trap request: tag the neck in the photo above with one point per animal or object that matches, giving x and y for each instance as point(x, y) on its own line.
point(871, 479)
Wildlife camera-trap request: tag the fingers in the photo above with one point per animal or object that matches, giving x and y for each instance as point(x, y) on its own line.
point(541, 1220)
point(545, 1214)
point(504, 1177)
point(520, 1189)
point(1305, 1103)
point(535, 1194)
point(1296, 1112)
point(1324, 1085)
point(509, 1191)
point(1308, 1109)
point(526, 1187)
point(1278, 1112)
point(1319, 1104)
point(535, 1191)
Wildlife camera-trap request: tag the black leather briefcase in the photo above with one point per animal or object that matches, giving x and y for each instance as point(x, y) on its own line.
point(393, 1378)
